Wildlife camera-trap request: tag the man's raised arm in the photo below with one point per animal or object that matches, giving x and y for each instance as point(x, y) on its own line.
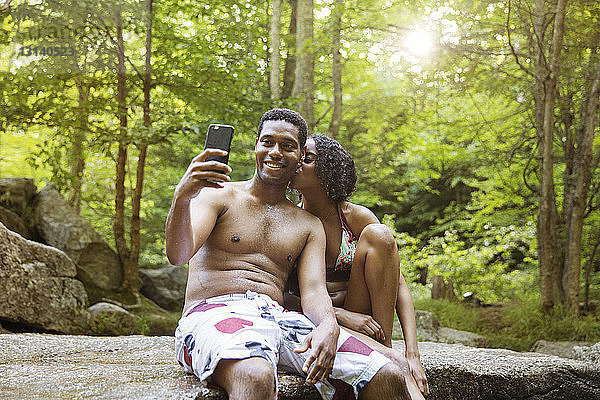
point(316, 305)
point(185, 232)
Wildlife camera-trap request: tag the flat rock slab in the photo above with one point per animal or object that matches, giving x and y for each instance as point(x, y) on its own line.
point(457, 372)
point(41, 366)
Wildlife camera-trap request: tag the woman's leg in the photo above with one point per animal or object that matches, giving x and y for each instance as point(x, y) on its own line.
point(374, 278)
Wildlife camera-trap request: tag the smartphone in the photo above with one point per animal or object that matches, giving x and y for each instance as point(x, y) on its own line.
point(219, 137)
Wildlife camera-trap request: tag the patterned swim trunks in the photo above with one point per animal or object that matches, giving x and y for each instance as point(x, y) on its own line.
point(240, 326)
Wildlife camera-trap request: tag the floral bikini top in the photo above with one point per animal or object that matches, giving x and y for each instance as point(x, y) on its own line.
point(343, 263)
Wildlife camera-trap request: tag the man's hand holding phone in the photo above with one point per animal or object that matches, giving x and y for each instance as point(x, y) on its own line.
point(202, 173)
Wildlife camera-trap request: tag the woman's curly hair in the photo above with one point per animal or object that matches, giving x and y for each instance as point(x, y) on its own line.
point(334, 168)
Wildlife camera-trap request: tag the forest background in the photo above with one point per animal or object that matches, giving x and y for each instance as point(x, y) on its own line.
point(473, 125)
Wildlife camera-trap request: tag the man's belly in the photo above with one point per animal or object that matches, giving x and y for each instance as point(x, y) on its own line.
point(205, 284)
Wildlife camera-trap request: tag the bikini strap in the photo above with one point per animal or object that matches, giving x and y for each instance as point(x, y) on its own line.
point(345, 225)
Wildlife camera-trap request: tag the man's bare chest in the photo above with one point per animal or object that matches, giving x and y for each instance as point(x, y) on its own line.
point(270, 232)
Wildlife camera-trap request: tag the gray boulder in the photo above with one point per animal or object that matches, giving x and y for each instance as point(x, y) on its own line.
point(16, 210)
point(429, 330)
point(98, 266)
point(449, 335)
point(560, 349)
point(15, 223)
point(457, 372)
point(587, 353)
point(110, 319)
point(39, 288)
point(140, 367)
point(16, 194)
point(165, 286)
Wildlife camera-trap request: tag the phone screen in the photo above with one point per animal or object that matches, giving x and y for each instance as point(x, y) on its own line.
point(219, 137)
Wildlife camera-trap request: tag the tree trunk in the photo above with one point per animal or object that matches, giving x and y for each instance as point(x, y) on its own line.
point(566, 119)
point(77, 156)
point(130, 271)
point(275, 81)
point(544, 217)
point(588, 270)
point(119, 223)
point(336, 70)
point(305, 63)
point(582, 174)
point(546, 83)
point(290, 60)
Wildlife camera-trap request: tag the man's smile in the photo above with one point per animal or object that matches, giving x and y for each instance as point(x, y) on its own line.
point(273, 165)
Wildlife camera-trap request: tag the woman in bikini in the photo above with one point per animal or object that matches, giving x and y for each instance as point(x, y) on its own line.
point(363, 272)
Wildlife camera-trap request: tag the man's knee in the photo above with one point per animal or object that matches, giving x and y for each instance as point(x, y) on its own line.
point(388, 383)
point(259, 374)
point(253, 376)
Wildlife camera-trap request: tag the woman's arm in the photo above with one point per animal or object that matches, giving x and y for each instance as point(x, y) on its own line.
point(406, 315)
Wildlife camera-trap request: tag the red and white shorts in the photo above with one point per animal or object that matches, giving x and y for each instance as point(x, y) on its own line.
point(240, 326)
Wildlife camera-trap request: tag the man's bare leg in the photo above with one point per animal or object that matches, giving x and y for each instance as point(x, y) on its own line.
point(247, 379)
point(388, 383)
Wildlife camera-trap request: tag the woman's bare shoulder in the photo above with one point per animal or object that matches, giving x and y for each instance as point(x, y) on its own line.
point(357, 216)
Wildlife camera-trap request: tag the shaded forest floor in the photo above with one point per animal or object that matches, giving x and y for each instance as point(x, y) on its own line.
point(515, 325)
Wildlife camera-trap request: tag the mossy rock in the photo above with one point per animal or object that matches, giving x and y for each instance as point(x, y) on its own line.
point(145, 318)
point(111, 320)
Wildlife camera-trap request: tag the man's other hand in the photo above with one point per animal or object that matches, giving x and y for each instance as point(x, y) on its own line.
point(323, 342)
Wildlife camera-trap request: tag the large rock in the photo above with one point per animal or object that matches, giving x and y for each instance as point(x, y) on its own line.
point(429, 330)
point(110, 319)
point(15, 223)
point(98, 266)
point(139, 367)
point(16, 194)
point(122, 367)
point(39, 288)
point(560, 349)
point(449, 335)
point(16, 209)
point(587, 353)
point(457, 372)
point(165, 286)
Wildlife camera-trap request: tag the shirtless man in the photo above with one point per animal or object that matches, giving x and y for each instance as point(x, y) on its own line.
point(241, 240)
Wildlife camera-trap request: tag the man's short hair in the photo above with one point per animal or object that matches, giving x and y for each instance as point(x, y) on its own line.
point(283, 114)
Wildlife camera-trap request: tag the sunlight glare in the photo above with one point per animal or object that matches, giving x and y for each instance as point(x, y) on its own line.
point(418, 42)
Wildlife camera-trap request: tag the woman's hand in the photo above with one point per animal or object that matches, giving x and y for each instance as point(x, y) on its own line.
point(416, 369)
point(360, 322)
